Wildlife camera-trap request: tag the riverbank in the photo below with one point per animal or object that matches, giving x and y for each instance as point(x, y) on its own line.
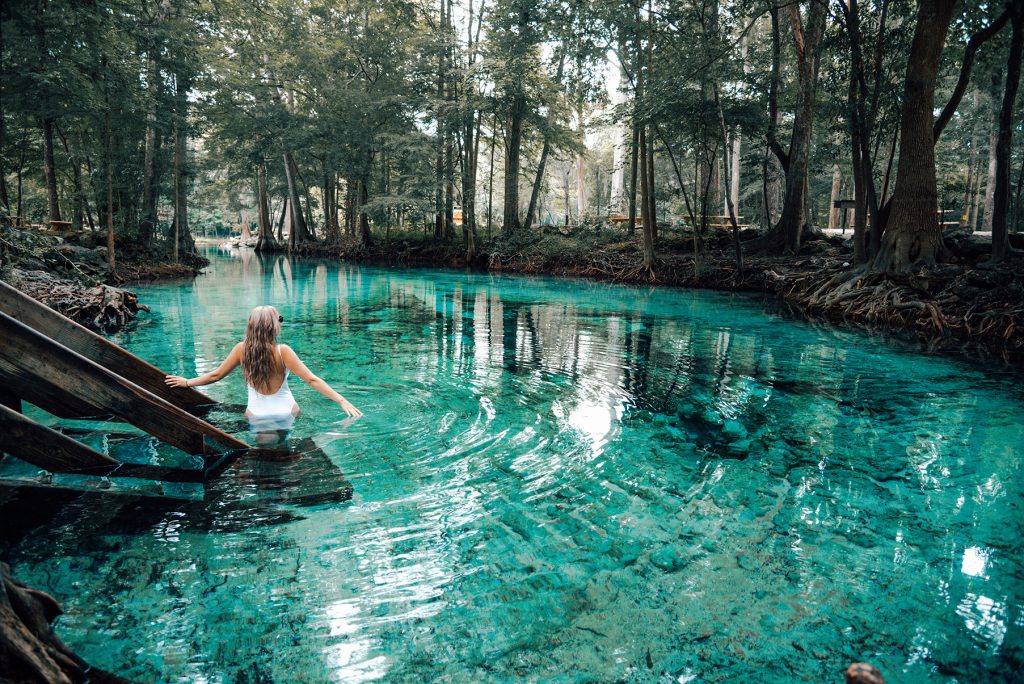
point(75, 279)
point(960, 305)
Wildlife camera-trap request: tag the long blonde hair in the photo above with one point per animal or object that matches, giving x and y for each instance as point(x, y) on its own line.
point(258, 350)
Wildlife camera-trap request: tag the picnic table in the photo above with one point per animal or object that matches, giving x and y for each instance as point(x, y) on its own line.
point(720, 222)
point(622, 218)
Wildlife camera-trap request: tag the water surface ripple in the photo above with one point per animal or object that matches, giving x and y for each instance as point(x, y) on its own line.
point(554, 480)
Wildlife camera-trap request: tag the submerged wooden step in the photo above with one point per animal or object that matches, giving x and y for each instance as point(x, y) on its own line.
point(96, 348)
point(48, 374)
point(50, 450)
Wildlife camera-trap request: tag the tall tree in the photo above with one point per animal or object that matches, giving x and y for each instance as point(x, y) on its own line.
point(1001, 201)
point(912, 233)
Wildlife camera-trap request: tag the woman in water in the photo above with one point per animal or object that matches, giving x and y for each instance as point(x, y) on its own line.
point(265, 365)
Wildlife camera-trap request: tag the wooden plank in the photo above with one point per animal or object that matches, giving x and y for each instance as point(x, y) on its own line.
point(46, 448)
point(56, 371)
point(60, 404)
point(96, 348)
point(50, 450)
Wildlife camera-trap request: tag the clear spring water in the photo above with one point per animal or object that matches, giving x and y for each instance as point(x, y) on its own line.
point(556, 480)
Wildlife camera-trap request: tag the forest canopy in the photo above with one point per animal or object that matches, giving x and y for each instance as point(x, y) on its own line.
point(320, 122)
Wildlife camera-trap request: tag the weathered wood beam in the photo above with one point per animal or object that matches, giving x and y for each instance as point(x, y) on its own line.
point(60, 404)
point(9, 399)
point(51, 450)
point(42, 318)
point(56, 371)
point(39, 445)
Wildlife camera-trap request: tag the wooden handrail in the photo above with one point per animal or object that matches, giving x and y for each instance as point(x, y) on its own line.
point(51, 372)
point(80, 339)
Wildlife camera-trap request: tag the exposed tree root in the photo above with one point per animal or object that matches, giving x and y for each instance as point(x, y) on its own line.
point(29, 650)
point(101, 307)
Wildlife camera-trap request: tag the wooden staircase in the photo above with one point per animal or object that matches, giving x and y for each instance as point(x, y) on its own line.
point(66, 369)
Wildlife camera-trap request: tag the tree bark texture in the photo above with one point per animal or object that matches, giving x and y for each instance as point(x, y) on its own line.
point(29, 650)
point(513, 145)
point(647, 219)
point(50, 171)
point(913, 236)
point(265, 241)
point(1001, 199)
point(807, 40)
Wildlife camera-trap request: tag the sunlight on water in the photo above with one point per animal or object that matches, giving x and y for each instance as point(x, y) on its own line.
point(553, 480)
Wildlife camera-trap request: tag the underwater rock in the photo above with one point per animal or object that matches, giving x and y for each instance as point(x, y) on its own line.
point(733, 430)
point(712, 417)
point(862, 673)
point(739, 447)
point(667, 558)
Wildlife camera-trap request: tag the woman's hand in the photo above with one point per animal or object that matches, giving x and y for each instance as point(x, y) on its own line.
point(350, 409)
point(176, 381)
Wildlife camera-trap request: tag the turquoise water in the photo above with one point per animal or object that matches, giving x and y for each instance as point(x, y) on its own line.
point(554, 480)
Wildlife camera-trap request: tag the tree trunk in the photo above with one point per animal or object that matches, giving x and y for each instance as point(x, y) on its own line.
point(1001, 200)
point(513, 147)
point(544, 150)
point(280, 221)
point(490, 179)
point(265, 241)
point(808, 42)
point(364, 220)
point(148, 222)
point(183, 235)
point(972, 170)
point(50, 171)
point(645, 201)
point(4, 199)
point(470, 149)
point(976, 199)
point(110, 187)
point(298, 231)
point(833, 211)
point(652, 211)
point(993, 143)
point(913, 236)
point(634, 158)
point(581, 183)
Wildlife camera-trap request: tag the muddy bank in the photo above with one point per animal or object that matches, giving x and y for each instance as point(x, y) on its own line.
point(75, 279)
point(959, 305)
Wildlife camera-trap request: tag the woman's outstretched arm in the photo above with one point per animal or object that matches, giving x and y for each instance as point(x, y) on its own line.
point(230, 363)
point(293, 363)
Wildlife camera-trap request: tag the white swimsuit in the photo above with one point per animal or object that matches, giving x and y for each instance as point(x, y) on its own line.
point(279, 404)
